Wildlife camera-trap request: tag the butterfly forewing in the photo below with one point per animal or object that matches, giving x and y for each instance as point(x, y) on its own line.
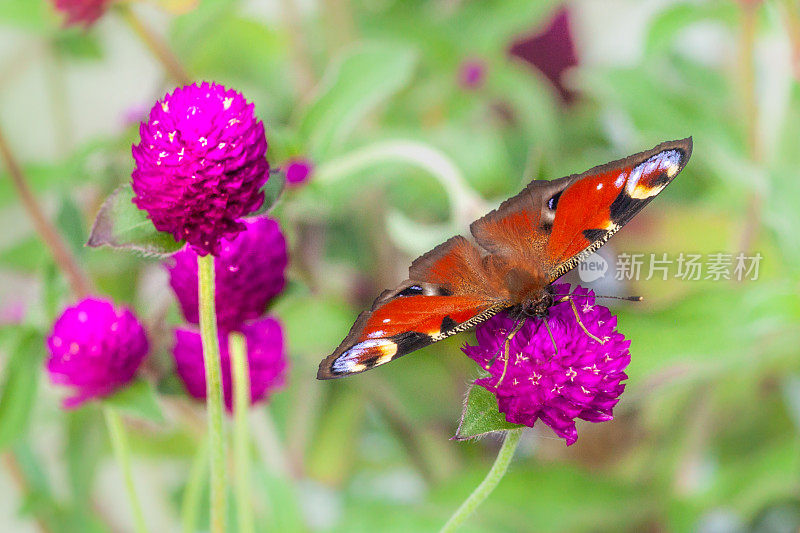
point(597, 203)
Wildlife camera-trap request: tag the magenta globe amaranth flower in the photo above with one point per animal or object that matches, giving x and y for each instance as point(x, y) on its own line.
point(81, 12)
point(582, 379)
point(298, 171)
point(95, 348)
point(249, 273)
point(200, 165)
point(265, 357)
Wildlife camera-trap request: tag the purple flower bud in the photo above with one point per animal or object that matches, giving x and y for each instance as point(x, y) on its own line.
point(200, 165)
point(583, 379)
point(472, 73)
point(249, 272)
point(265, 357)
point(95, 348)
point(81, 12)
point(298, 171)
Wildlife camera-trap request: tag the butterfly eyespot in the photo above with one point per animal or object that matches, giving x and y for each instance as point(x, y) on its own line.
point(552, 203)
point(413, 290)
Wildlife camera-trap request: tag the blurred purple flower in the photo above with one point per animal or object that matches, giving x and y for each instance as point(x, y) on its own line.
point(298, 171)
point(249, 272)
point(472, 74)
point(133, 114)
point(552, 51)
point(12, 312)
point(95, 349)
point(582, 380)
point(265, 356)
point(81, 12)
point(200, 165)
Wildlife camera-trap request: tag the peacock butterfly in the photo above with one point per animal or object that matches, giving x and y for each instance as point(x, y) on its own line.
point(520, 248)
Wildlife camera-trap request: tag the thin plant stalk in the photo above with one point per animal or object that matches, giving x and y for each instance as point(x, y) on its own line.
point(119, 442)
point(78, 282)
point(488, 484)
point(155, 43)
point(237, 346)
point(211, 361)
point(190, 504)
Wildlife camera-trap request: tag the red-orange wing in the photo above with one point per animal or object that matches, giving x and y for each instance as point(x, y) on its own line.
point(447, 292)
point(553, 225)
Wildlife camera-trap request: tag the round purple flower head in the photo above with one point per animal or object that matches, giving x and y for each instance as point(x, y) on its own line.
point(298, 171)
point(265, 357)
point(83, 12)
point(583, 379)
point(200, 165)
point(249, 273)
point(95, 348)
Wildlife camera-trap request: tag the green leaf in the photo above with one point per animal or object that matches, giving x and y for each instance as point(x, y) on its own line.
point(670, 22)
point(120, 224)
point(138, 399)
point(272, 191)
point(78, 44)
point(20, 386)
point(25, 14)
point(71, 225)
point(481, 415)
point(356, 84)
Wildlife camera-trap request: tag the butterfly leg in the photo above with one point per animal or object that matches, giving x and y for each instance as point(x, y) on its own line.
point(507, 347)
point(578, 317)
point(555, 348)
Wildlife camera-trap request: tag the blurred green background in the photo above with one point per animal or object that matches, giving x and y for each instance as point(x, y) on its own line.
point(407, 151)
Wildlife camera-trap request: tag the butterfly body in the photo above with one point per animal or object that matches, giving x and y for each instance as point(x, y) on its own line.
point(519, 249)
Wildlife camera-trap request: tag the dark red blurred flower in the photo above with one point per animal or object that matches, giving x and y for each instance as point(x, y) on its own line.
point(552, 51)
point(81, 12)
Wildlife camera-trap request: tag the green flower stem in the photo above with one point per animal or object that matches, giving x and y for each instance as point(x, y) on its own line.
point(211, 360)
point(465, 203)
point(190, 505)
point(237, 345)
point(119, 442)
point(489, 482)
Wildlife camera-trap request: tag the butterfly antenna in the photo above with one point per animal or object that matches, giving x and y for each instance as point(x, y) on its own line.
point(578, 318)
point(565, 297)
point(626, 298)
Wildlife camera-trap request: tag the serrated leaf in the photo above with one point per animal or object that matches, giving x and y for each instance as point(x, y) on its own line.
point(272, 191)
point(120, 224)
point(481, 415)
point(138, 399)
point(20, 386)
point(359, 81)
